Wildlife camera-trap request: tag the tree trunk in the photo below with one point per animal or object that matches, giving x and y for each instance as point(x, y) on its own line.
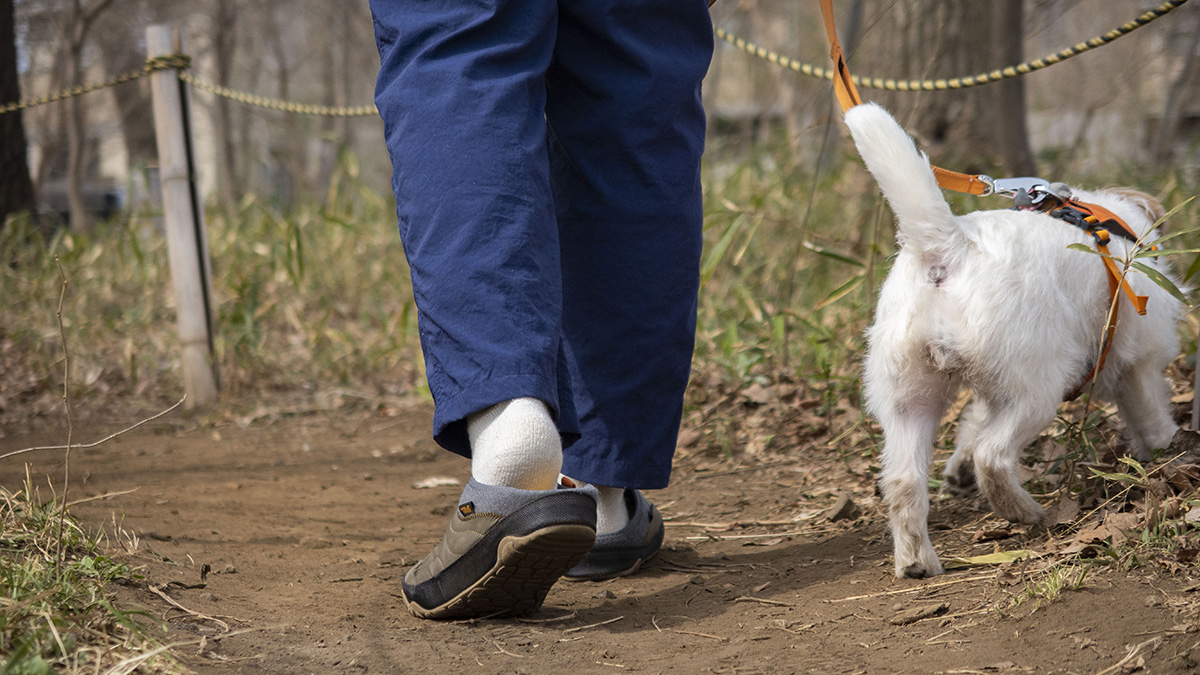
point(1011, 129)
point(16, 186)
point(81, 220)
point(76, 29)
point(224, 44)
point(116, 33)
point(1168, 126)
point(941, 39)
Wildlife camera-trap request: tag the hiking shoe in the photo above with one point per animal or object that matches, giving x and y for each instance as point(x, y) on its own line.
point(620, 553)
point(502, 551)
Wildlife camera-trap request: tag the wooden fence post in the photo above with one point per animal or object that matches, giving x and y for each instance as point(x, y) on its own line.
point(183, 220)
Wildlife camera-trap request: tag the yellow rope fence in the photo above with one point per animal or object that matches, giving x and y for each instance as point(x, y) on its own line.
point(182, 62)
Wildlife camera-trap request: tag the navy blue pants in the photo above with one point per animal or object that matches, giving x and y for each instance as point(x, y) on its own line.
point(546, 167)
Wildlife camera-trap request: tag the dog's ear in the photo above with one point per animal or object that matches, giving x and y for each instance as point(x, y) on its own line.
point(1149, 205)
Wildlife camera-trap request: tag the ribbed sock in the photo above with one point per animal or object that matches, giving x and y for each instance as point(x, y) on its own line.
point(612, 513)
point(515, 444)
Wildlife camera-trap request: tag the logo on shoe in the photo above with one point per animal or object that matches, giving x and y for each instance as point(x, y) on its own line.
point(466, 510)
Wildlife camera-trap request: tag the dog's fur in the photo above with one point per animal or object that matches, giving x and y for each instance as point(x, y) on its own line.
point(995, 301)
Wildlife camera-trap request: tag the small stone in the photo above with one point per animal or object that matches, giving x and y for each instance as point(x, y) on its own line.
point(605, 594)
point(843, 509)
point(918, 613)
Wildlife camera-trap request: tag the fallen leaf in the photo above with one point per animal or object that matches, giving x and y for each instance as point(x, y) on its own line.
point(990, 535)
point(1061, 512)
point(990, 559)
point(1193, 516)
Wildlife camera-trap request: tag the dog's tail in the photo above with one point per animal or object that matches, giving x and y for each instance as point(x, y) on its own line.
point(908, 183)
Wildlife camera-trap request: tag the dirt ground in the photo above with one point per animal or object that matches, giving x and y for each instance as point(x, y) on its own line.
point(308, 523)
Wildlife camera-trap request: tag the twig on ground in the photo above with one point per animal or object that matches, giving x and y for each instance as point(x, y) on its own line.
point(131, 664)
point(553, 619)
point(106, 495)
point(728, 537)
point(1134, 651)
point(505, 651)
point(158, 591)
point(704, 635)
point(85, 446)
point(740, 523)
point(764, 601)
point(591, 625)
point(915, 589)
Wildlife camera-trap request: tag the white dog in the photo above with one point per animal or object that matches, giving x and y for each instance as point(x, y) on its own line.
point(995, 301)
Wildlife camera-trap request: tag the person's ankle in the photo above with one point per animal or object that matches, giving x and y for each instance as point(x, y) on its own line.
point(612, 510)
point(515, 444)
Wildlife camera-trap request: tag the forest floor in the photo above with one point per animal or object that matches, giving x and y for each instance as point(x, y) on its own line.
point(778, 563)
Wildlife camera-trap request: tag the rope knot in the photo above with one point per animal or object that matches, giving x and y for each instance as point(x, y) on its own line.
point(168, 62)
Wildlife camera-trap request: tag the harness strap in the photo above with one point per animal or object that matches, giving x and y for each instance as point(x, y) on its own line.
point(1114, 282)
point(1099, 221)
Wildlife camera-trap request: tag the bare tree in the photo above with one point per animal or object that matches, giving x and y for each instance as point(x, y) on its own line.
point(16, 187)
point(1010, 126)
point(224, 37)
point(75, 29)
point(116, 33)
point(1177, 98)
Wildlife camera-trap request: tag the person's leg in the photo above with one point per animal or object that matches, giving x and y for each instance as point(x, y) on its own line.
point(461, 91)
point(462, 95)
point(626, 136)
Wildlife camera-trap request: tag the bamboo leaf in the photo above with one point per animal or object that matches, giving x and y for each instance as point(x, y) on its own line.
point(1192, 269)
point(1162, 280)
point(835, 255)
point(1148, 253)
point(1173, 211)
point(841, 291)
point(719, 248)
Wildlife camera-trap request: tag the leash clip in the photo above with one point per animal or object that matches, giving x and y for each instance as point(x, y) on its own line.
point(1035, 188)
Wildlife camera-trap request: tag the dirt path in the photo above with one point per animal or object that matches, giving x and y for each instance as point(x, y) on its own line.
point(308, 523)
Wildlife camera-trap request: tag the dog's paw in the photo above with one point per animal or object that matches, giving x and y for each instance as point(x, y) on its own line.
point(925, 565)
point(961, 482)
point(1018, 507)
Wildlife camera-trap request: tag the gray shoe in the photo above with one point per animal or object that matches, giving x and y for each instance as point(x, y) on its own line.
point(621, 553)
point(502, 551)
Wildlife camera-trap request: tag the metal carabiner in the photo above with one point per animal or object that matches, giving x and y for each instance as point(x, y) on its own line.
point(1009, 187)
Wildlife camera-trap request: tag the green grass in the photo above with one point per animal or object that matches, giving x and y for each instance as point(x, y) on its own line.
point(56, 612)
point(314, 298)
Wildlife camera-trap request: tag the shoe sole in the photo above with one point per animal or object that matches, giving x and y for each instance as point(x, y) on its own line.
point(613, 574)
point(526, 567)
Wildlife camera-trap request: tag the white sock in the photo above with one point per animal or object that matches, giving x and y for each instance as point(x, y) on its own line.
point(515, 444)
point(612, 513)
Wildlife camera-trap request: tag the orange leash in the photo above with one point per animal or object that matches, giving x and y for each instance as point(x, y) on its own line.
point(847, 96)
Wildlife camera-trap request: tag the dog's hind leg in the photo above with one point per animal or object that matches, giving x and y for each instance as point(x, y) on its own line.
point(1004, 431)
point(959, 473)
point(1144, 400)
point(909, 427)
